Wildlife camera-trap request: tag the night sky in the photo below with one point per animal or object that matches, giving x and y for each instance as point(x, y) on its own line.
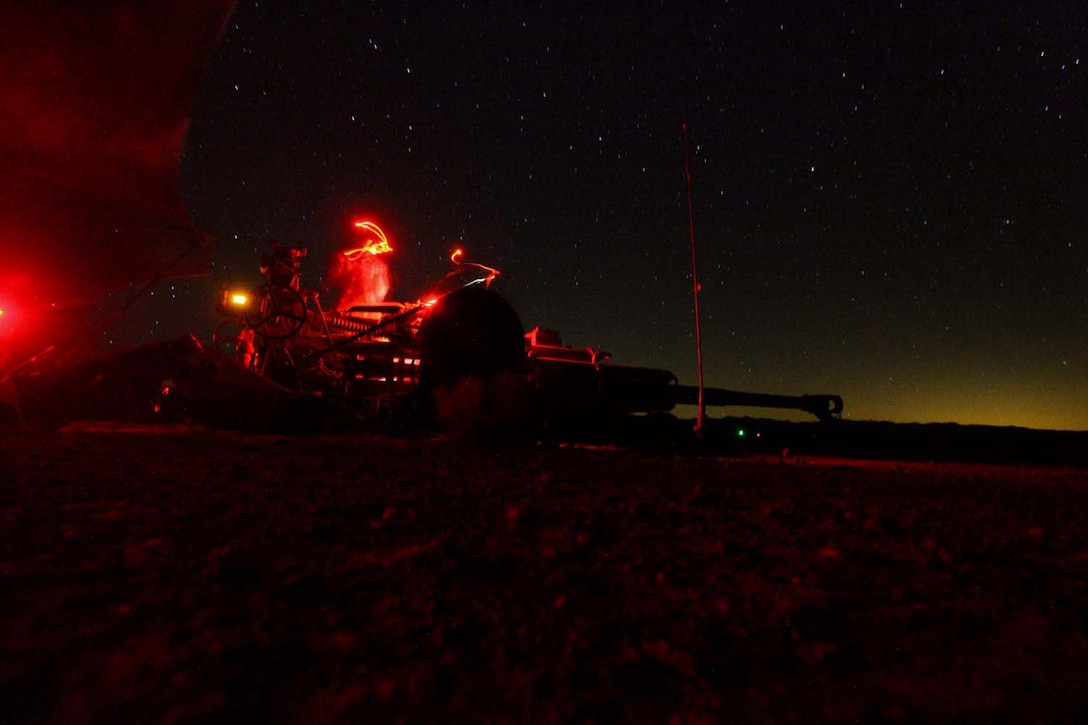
point(890, 198)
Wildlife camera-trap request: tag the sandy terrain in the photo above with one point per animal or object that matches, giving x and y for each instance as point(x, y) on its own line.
point(176, 573)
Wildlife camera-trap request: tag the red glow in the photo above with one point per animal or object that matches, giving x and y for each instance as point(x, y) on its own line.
point(26, 330)
point(377, 242)
point(8, 317)
point(457, 256)
point(358, 272)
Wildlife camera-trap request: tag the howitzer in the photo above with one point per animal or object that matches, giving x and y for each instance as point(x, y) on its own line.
point(395, 356)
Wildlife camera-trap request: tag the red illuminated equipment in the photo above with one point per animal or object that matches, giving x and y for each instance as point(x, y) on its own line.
point(377, 355)
point(407, 358)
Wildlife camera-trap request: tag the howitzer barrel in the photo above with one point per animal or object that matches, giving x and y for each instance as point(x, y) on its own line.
point(823, 407)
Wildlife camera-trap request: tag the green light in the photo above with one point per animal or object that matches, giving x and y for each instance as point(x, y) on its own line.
point(740, 432)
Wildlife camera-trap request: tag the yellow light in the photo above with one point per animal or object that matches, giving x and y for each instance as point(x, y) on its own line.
point(238, 299)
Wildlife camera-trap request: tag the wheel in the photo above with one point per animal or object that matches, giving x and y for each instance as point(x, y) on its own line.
point(281, 312)
point(472, 360)
point(471, 332)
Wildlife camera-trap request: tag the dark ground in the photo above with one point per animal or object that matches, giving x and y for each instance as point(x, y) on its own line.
point(173, 573)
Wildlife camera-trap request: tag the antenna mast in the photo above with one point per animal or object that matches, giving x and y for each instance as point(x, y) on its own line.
point(694, 287)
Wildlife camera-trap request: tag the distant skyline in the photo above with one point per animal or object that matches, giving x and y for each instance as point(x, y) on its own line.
point(890, 199)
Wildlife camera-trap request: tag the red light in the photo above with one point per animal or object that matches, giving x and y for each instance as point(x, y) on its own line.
point(378, 245)
point(492, 273)
point(360, 273)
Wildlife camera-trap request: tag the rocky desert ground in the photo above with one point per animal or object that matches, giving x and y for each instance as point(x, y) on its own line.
point(177, 573)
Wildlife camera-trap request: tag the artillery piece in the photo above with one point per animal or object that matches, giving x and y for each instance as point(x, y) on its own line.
point(396, 358)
